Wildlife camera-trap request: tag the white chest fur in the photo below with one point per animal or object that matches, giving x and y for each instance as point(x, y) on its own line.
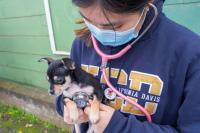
point(73, 88)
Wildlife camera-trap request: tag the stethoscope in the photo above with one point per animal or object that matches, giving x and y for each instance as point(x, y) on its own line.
point(106, 58)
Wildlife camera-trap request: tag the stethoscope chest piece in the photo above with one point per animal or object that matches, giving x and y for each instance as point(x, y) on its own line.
point(109, 94)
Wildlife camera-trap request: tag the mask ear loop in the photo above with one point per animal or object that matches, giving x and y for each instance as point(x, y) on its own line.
point(151, 23)
point(145, 11)
point(140, 18)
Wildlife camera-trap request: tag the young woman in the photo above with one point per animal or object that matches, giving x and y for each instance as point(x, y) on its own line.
point(161, 71)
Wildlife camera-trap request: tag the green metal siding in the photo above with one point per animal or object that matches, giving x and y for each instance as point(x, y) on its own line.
point(23, 40)
point(24, 34)
point(185, 12)
point(64, 15)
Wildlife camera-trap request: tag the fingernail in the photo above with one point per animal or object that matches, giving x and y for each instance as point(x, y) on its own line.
point(86, 110)
point(90, 101)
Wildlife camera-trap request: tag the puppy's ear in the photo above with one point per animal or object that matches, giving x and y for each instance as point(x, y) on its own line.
point(70, 64)
point(72, 67)
point(49, 60)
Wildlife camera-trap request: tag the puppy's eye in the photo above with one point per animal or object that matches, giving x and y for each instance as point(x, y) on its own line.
point(55, 77)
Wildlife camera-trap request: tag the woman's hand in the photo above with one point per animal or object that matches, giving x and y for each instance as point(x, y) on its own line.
point(74, 115)
point(106, 113)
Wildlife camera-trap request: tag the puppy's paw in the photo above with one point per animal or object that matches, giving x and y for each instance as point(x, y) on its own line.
point(94, 112)
point(73, 112)
point(74, 116)
point(94, 117)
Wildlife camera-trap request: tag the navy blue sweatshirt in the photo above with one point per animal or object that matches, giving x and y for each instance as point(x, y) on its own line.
point(161, 72)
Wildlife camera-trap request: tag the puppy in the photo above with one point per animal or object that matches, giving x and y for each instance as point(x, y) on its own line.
point(77, 87)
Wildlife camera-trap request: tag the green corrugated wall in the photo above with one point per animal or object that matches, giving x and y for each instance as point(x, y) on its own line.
point(24, 34)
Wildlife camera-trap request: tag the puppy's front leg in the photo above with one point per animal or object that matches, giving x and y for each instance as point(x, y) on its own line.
point(73, 113)
point(77, 128)
point(94, 112)
point(73, 110)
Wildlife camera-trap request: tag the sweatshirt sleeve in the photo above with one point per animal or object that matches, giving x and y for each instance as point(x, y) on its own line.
point(59, 105)
point(188, 114)
point(122, 124)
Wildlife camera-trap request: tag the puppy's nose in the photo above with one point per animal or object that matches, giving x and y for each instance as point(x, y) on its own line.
point(51, 92)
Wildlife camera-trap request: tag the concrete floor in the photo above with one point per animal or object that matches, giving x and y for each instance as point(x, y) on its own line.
point(32, 100)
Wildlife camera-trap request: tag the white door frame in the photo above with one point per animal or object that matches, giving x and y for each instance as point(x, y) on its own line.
point(50, 30)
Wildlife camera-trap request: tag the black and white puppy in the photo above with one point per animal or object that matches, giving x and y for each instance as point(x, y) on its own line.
point(69, 80)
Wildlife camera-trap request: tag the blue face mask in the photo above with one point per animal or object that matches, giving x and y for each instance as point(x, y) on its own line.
point(111, 37)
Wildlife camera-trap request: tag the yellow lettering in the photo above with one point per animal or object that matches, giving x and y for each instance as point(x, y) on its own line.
point(137, 78)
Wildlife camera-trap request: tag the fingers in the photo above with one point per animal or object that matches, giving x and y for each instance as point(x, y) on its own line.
point(82, 117)
point(66, 115)
point(94, 111)
point(87, 110)
point(103, 107)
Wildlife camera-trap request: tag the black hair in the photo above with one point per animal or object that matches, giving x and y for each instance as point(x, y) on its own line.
point(117, 6)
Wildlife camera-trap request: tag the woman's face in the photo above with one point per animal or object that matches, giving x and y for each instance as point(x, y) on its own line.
point(120, 21)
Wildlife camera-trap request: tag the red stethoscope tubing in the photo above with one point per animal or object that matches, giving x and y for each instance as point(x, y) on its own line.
point(105, 59)
point(125, 97)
